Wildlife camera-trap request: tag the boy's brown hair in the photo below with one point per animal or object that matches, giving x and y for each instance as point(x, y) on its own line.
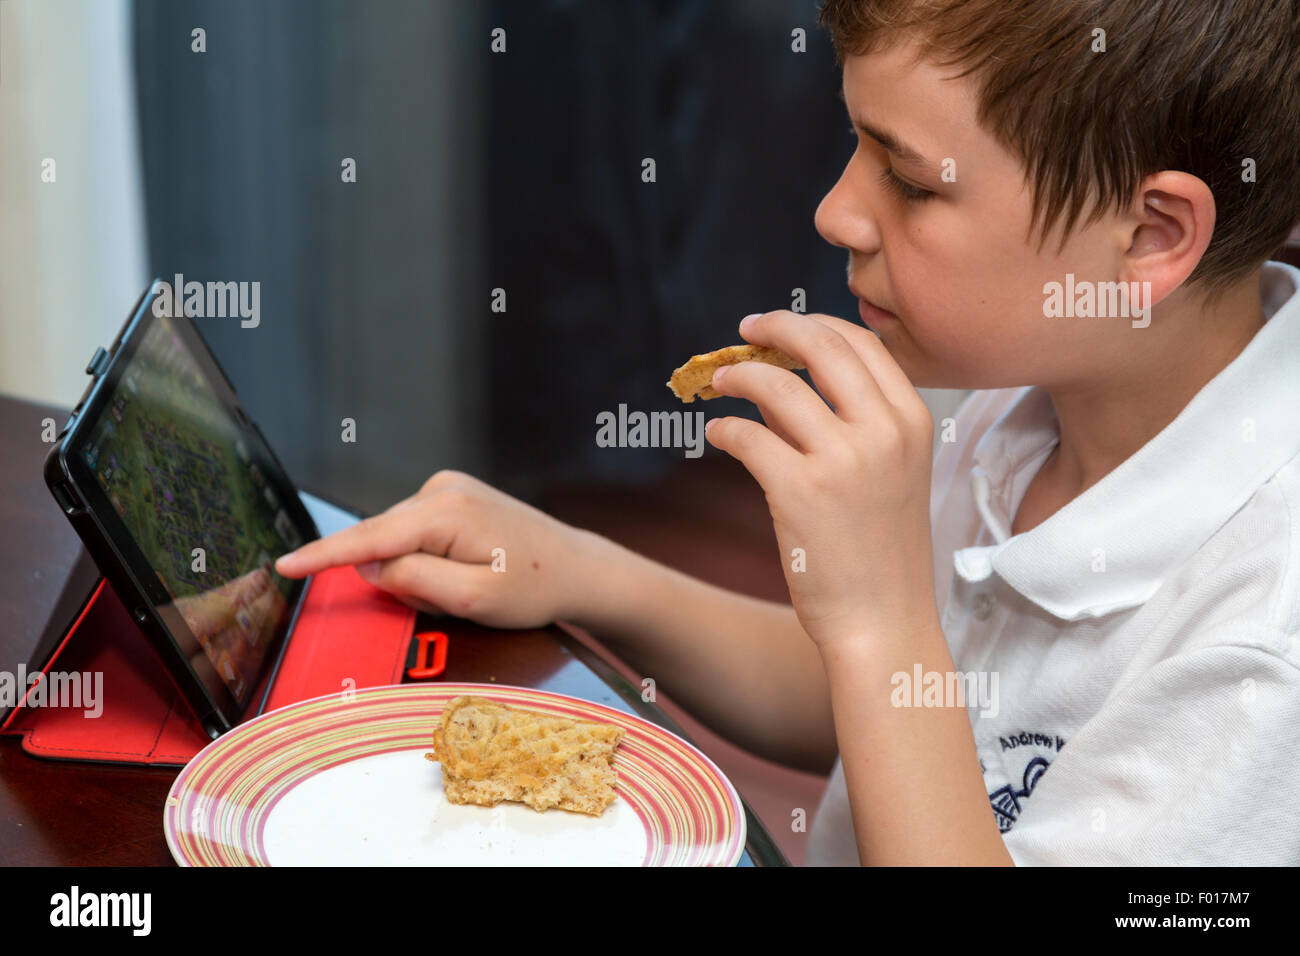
point(1199, 86)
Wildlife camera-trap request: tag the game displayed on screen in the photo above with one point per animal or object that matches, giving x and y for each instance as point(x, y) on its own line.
point(173, 463)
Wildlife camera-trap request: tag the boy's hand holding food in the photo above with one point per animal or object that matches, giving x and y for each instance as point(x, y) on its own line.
point(848, 486)
point(462, 547)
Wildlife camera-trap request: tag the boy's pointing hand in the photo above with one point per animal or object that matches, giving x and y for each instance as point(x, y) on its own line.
point(848, 486)
point(462, 547)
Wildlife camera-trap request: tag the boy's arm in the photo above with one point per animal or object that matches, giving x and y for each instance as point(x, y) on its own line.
point(741, 665)
point(926, 753)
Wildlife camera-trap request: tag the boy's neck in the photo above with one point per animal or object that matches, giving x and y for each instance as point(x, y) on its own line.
point(1102, 424)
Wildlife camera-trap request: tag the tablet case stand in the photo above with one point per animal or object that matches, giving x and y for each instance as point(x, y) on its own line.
point(348, 635)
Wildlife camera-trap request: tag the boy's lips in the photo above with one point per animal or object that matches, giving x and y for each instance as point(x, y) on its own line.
point(871, 313)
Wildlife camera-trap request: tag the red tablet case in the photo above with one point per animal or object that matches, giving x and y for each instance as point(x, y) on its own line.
point(347, 631)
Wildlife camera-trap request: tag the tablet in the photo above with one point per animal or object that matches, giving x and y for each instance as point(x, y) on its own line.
point(184, 508)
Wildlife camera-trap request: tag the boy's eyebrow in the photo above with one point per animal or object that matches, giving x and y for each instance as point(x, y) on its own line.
point(888, 140)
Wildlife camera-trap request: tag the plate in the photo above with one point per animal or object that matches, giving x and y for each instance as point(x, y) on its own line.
point(342, 780)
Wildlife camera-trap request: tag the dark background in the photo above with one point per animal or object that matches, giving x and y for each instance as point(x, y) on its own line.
point(475, 171)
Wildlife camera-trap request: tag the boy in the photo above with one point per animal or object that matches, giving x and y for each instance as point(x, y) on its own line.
point(1068, 207)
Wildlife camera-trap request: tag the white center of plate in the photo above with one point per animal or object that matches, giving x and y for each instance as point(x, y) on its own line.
point(389, 810)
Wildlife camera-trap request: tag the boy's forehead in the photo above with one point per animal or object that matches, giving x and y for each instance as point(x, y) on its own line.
point(923, 105)
point(902, 69)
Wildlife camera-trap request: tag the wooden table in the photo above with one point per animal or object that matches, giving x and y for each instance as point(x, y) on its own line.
point(88, 814)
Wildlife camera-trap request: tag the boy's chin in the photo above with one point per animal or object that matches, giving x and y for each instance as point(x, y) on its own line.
point(931, 377)
point(925, 372)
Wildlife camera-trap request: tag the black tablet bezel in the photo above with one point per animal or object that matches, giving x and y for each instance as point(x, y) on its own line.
point(122, 561)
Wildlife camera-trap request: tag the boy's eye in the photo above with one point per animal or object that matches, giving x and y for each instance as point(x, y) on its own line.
point(903, 189)
point(899, 187)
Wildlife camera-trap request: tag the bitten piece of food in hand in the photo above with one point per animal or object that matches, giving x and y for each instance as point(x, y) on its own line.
point(695, 376)
point(491, 752)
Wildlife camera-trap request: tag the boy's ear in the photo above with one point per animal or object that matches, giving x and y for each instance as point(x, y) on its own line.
point(1168, 231)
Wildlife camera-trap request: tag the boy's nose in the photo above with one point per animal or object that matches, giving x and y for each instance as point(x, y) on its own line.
point(844, 217)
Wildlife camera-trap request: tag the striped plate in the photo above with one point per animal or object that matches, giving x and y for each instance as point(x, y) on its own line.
point(342, 780)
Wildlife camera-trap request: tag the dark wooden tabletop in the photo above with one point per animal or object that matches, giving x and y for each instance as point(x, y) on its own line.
point(75, 813)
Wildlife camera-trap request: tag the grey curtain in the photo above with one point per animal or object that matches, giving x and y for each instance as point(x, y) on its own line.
point(368, 288)
point(519, 171)
point(614, 282)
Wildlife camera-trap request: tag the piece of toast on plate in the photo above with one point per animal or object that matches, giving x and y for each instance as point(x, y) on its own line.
point(695, 376)
point(492, 752)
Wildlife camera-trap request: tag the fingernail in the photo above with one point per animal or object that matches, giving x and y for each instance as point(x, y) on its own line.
point(368, 571)
point(719, 372)
point(748, 320)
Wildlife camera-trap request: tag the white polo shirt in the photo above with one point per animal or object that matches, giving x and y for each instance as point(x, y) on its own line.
point(1145, 638)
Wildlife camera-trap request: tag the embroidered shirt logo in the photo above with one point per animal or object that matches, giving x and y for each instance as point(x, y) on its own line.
point(1007, 800)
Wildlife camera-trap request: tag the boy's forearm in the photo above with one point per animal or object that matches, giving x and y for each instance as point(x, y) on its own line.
point(925, 752)
point(741, 665)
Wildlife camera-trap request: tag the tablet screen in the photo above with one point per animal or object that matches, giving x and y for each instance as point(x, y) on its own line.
point(173, 461)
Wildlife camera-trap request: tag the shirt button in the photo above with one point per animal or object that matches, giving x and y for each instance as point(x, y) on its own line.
point(983, 606)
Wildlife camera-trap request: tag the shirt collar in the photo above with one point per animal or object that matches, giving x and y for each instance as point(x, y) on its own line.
point(1112, 547)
